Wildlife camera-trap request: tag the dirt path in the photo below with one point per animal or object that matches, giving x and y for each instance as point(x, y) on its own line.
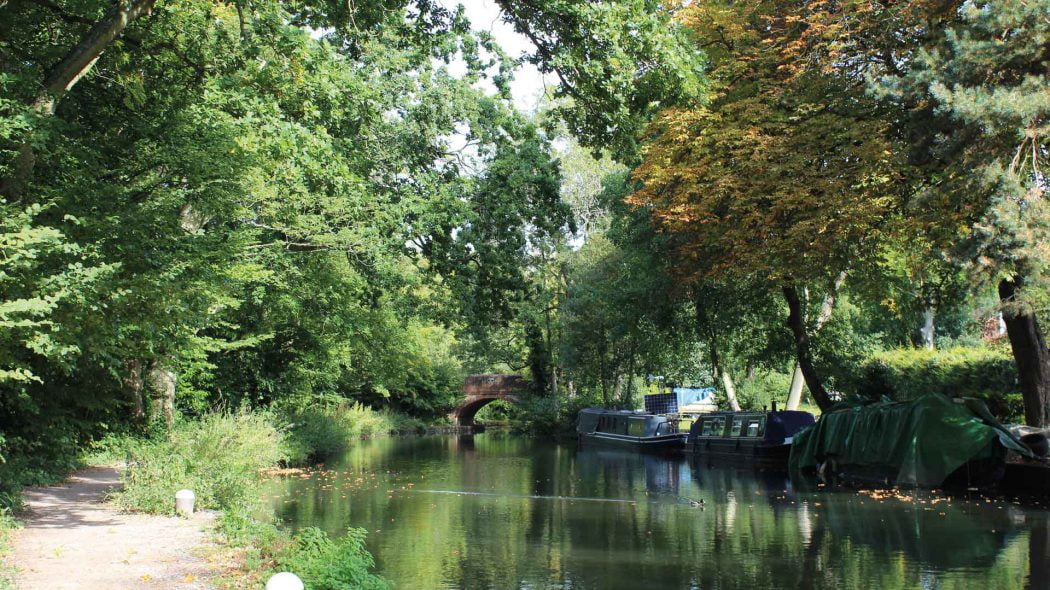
point(71, 540)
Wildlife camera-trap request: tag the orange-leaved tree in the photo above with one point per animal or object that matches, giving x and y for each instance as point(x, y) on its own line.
point(786, 173)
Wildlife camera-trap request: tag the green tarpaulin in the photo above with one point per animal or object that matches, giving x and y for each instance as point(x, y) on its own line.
point(919, 442)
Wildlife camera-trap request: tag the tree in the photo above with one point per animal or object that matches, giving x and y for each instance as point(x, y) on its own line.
point(618, 62)
point(219, 209)
point(979, 91)
point(782, 177)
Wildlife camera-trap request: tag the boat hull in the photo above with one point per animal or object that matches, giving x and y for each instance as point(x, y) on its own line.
point(661, 443)
point(741, 450)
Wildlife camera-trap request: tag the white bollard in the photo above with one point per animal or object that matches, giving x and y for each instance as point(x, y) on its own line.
point(284, 581)
point(184, 502)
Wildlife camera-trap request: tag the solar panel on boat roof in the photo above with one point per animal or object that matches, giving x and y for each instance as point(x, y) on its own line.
point(661, 403)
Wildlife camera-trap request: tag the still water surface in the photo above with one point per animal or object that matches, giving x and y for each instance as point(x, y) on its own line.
point(495, 511)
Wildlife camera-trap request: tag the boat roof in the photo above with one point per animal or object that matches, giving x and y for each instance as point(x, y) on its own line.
point(616, 412)
point(720, 413)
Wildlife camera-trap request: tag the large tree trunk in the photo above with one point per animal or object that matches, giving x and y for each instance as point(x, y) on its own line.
point(797, 323)
point(827, 307)
point(795, 392)
point(1030, 352)
point(727, 382)
point(65, 74)
point(720, 372)
point(135, 384)
point(160, 381)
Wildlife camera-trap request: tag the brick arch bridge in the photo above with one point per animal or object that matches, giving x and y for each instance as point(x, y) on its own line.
point(481, 390)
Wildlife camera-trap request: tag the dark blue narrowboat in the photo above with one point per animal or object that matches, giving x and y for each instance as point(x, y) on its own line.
point(754, 437)
point(630, 429)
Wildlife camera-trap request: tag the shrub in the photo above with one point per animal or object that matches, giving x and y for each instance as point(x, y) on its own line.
point(33, 463)
point(327, 564)
point(321, 562)
point(986, 372)
point(759, 391)
point(317, 434)
point(320, 433)
point(548, 415)
point(218, 456)
point(7, 524)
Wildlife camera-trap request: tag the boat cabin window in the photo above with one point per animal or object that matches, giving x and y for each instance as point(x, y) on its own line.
point(614, 424)
point(756, 426)
point(752, 428)
point(636, 427)
point(738, 425)
point(714, 426)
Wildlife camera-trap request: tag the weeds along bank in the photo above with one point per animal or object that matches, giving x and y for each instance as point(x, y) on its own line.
point(220, 456)
point(7, 525)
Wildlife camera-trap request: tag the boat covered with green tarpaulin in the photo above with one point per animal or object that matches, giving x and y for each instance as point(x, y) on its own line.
point(922, 442)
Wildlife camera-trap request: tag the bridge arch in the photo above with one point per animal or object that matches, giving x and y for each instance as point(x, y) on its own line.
point(481, 390)
point(464, 415)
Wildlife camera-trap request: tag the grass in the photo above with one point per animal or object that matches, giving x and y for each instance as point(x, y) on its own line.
point(7, 525)
point(219, 457)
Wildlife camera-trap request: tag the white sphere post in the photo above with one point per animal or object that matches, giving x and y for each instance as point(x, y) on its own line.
point(284, 581)
point(184, 502)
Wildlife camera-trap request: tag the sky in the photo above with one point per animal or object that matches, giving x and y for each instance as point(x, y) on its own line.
point(484, 15)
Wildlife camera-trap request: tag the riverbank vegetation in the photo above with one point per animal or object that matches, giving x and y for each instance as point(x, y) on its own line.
point(331, 214)
point(7, 525)
point(222, 457)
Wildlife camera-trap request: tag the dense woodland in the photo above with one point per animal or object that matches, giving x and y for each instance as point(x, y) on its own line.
point(210, 205)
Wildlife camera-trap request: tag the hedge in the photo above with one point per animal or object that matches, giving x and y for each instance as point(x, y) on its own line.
point(986, 372)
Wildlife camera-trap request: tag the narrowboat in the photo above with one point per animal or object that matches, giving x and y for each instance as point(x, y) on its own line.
point(932, 441)
point(630, 429)
point(756, 437)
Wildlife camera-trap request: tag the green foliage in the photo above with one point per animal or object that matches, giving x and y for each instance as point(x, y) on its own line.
point(321, 562)
point(548, 416)
point(42, 459)
point(226, 197)
point(763, 389)
point(982, 132)
point(498, 412)
point(40, 271)
point(844, 343)
point(7, 525)
point(218, 456)
point(317, 434)
point(986, 372)
point(327, 564)
point(646, 63)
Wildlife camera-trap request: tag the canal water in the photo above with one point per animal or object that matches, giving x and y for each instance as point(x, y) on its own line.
point(495, 511)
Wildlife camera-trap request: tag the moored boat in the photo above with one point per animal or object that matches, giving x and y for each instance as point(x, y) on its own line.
point(931, 441)
point(763, 438)
point(631, 429)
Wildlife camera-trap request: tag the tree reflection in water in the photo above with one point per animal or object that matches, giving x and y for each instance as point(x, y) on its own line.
point(535, 528)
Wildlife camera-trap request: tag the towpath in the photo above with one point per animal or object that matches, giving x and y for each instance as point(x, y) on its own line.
point(71, 539)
